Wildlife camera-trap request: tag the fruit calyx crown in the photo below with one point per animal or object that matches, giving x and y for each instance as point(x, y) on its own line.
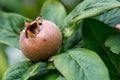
point(33, 28)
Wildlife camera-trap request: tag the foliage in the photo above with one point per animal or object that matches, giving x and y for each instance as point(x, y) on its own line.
point(3, 61)
point(90, 47)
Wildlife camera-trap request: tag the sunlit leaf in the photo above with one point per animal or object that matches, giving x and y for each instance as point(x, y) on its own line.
point(90, 8)
point(80, 64)
point(3, 61)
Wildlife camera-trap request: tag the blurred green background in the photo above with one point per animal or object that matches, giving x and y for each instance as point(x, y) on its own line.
point(30, 9)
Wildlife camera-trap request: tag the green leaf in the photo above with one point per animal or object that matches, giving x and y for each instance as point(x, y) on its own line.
point(54, 11)
point(51, 75)
point(40, 71)
point(60, 78)
point(32, 8)
point(16, 71)
point(31, 71)
point(35, 70)
point(10, 27)
point(111, 17)
point(71, 41)
point(113, 43)
point(3, 61)
point(11, 6)
point(80, 64)
point(118, 0)
point(70, 4)
point(94, 35)
point(88, 8)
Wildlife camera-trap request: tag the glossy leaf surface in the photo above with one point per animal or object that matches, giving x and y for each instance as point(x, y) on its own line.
point(80, 64)
point(90, 8)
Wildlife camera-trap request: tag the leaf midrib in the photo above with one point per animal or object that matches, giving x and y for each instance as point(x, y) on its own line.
point(80, 66)
point(103, 47)
point(8, 31)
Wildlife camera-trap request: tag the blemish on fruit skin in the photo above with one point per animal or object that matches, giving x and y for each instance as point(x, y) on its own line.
point(44, 40)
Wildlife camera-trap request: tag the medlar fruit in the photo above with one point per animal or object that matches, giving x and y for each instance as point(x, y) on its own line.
point(40, 39)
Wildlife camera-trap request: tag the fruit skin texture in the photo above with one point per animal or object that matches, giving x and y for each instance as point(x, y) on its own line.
point(45, 44)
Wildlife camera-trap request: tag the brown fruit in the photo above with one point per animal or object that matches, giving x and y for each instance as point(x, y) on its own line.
point(40, 40)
